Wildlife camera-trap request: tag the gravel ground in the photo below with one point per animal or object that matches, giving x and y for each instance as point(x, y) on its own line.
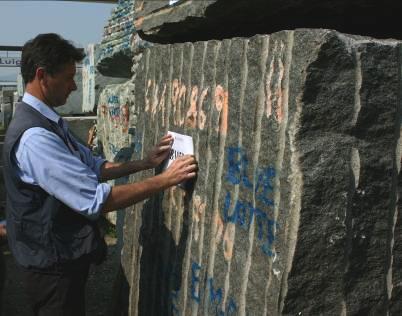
point(99, 287)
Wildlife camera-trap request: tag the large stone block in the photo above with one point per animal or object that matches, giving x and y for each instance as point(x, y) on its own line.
point(294, 211)
point(167, 21)
point(117, 117)
point(120, 43)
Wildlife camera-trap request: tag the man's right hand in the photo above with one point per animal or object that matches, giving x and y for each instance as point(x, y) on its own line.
point(121, 196)
point(181, 169)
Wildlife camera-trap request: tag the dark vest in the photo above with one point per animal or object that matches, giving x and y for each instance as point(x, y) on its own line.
point(42, 231)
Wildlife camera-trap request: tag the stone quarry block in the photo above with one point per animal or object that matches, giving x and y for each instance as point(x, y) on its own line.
point(80, 126)
point(295, 208)
point(114, 58)
point(117, 116)
point(120, 43)
point(93, 82)
point(167, 21)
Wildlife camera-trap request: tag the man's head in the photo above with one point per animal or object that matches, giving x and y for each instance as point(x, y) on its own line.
point(48, 68)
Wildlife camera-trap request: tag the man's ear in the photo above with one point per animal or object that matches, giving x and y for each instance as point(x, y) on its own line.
point(40, 73)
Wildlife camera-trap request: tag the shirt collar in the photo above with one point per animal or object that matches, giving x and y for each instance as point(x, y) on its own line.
point(41, 107)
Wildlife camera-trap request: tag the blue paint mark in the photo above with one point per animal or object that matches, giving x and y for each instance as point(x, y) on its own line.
point(237, 167)
point(113, 99)
point(174, 295)
point(237, 174)
point(264, 181)
point(194, 280)
point(243, 215)
point(214, 296)
point(232, 308)
point(114, 111)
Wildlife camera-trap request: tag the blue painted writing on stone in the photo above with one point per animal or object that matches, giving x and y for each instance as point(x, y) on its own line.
point(174, 296)
point(264, 185)
point(243, 215)
point(237, 167)
point(215, 295)
point(237, 174)
point(195, 267)
point(114, 111)
point(113, 99)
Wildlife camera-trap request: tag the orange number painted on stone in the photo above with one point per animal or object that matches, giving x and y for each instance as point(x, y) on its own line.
point(219, 228)
point(191, 116)
point(196, 117)
point(202, 118)
point(178, 92)
point(199, 209)
point(228, 241)
point(222, 106)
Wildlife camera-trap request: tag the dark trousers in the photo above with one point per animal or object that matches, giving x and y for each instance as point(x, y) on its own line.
point(57, 291)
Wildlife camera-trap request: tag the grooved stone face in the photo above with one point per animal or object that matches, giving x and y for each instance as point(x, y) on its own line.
point(294, 208)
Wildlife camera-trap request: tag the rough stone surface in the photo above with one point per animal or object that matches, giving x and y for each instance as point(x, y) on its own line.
point(93, 82)
point(294, 211)
point(192, 20)
point(120, 42)
point(116, 117)
point(80, 126)
point(114, 58)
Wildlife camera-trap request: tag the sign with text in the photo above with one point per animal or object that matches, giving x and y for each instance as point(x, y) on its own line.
point(10, 61)
point(182, 145)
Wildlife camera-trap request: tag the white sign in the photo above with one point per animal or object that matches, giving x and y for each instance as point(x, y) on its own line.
point(182, 145)
point(88, 79)
point(10, 61)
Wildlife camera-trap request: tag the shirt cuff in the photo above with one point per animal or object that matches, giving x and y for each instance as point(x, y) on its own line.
point(101, 195)
point(98, 165)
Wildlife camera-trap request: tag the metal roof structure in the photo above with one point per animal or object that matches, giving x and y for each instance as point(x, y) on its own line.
point(8, 48)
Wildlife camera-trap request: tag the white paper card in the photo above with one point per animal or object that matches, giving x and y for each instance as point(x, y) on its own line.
point(182, 145)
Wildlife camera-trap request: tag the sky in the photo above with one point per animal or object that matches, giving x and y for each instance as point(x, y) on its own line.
point(80, 22)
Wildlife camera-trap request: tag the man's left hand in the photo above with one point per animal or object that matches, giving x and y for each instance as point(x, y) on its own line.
point(159, 152)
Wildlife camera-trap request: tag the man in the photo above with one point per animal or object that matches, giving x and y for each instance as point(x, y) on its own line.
point(54, 193)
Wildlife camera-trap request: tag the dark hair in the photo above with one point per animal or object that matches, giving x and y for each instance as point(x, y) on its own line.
point(49, 51)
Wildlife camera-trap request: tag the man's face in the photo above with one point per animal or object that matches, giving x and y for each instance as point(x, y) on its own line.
point(58, 87)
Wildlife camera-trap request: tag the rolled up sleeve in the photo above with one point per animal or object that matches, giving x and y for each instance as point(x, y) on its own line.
point(94, 162)
point(43, 159)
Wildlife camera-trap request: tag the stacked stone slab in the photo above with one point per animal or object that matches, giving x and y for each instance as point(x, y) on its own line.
point(294, 211)
point(115, 52)
point(169, 21)
point(116, 114)
point(115, 120)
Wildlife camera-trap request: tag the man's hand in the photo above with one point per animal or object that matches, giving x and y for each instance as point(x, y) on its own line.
point(124, 195)
point(159, 152)
point(181, 169)
point(3, 231)
point(114, 170)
